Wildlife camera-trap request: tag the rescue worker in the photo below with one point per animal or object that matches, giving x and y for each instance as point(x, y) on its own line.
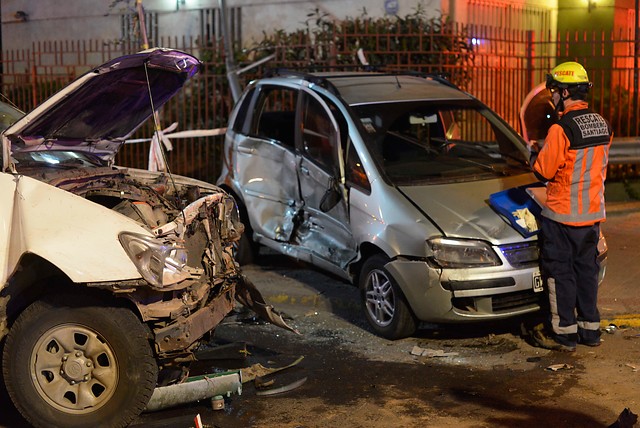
point(573, 162)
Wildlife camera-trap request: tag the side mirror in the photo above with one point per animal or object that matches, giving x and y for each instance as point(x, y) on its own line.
point(331, 196)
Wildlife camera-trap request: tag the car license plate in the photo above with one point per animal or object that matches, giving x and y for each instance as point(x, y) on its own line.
point(537, 282)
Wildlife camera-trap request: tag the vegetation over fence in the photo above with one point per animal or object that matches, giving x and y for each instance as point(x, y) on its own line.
point(413, 42)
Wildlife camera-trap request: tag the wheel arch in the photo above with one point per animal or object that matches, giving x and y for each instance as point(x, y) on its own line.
point(367, 249)
point(36, 278)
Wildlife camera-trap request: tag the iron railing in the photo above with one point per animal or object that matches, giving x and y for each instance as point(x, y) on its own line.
point(506, 66)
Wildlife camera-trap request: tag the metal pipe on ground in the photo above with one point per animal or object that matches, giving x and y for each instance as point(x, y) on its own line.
point(195, 389)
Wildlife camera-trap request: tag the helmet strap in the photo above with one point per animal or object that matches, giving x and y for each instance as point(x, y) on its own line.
point(560, 105)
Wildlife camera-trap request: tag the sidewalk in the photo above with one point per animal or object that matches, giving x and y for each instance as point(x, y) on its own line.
point(619, 300)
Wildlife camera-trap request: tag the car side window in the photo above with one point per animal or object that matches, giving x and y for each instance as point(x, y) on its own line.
point(241, 125)
point(274, 117)
point(319, 136)
point(355, 173)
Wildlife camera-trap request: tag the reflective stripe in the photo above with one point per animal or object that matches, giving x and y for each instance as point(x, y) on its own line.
point(586, 325)
point(573, 218)
point(579, 190)
point(553, 308)
point(574, 188)
point(586, 184)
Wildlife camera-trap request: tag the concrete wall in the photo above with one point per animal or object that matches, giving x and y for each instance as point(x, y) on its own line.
point(57, 20)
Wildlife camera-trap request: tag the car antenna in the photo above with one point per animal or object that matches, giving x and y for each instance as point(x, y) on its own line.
point(8, 100)
point(156, 130)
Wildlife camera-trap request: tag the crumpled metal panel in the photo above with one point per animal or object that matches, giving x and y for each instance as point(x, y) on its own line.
point(267, 173)
point(208, 225)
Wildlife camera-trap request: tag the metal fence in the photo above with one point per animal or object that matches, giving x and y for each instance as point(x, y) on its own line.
point(501, 67)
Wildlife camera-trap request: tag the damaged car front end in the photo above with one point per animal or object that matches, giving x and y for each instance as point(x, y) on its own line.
point(110, 276)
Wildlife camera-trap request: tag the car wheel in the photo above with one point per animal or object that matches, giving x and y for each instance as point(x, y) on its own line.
point(77, 366)
point(385, 306)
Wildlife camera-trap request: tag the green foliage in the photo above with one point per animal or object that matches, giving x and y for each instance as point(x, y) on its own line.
point(414, 42)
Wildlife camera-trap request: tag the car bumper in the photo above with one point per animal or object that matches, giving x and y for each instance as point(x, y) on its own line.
point(444, 296)
point(436, 296)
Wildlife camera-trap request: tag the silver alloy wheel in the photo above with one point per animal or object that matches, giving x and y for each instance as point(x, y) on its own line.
point(379, 298)
point(74, 369)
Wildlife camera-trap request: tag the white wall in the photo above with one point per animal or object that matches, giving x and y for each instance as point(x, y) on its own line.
point(58, 20)
point(94, 19)
point(265, 15)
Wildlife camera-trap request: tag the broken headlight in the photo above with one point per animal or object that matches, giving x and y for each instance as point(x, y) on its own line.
point(158, 263)
point(461, 253)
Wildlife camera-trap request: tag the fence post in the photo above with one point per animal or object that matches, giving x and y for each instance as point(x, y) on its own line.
point(530, 49)
point(636, 85)
point(34, 86)
point(230, 62)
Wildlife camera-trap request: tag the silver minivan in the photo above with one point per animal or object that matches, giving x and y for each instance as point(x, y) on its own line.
point(387, 180)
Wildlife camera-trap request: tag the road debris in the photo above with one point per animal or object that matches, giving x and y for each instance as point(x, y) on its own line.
point(260, 383)
point(195, 389)
point(258, 370)
point(198, 421)
point(217, 402)
point(556, 367)
point(282, 389)
point(426, 352)
point(228, 351)
point(627, 419)
point(611, 328)
point(632, 367)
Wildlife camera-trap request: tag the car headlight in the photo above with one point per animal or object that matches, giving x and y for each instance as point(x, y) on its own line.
point(460, 253)
point(159, 264)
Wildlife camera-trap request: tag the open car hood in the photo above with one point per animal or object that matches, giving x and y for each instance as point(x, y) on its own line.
point(100, 109)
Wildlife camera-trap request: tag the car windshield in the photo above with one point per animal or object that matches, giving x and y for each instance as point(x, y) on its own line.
point(438, 142)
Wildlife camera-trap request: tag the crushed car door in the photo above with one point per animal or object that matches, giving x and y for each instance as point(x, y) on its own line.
point(265, 163)
point(324, 231)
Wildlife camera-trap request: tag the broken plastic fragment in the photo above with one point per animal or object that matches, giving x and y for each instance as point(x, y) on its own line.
point(282, 389)
point(556, 367)
point(258, 370)
point(425, 352)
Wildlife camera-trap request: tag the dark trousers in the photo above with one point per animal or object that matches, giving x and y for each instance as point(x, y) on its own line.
point(570, 266)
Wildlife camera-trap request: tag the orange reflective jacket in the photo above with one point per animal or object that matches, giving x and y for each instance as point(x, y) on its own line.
point(575, 167)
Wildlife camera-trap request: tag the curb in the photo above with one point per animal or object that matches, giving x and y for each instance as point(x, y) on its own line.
point(622, 207)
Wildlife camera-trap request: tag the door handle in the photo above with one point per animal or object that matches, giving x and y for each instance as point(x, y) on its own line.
point(247, 150)
point(304, 170)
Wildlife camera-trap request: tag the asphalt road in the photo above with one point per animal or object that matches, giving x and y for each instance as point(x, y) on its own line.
point(490, 376)
point(619, 295)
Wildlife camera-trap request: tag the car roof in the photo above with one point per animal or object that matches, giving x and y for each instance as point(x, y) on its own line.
point(357, 88)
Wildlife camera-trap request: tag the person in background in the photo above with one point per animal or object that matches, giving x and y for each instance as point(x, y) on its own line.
point(573, 163)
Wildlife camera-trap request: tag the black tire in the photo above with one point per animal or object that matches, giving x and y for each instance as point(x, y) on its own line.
point(78, 366)
point(245, 250)
point(384, 304)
